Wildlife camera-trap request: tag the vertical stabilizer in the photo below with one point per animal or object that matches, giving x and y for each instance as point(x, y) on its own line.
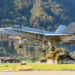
point(66, 29)
point(60, 29)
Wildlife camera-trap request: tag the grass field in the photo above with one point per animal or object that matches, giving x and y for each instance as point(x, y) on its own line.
point(38, 66)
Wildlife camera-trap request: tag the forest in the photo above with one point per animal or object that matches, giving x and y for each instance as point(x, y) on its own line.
point(42, 14)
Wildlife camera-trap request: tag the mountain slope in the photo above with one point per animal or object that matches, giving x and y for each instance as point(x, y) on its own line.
point(43, 14)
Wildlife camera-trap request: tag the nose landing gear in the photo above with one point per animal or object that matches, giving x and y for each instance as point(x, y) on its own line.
point(21, 41)
point(43, 50)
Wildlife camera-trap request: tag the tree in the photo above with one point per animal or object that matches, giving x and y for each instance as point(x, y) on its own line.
point(73, 54)
point(56, 55)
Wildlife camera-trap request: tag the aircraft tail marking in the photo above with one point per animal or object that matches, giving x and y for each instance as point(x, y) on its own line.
point(66, 29)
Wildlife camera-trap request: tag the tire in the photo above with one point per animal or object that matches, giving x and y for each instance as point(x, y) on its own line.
point(53, 49)
point(20, 46)
point(43, 50)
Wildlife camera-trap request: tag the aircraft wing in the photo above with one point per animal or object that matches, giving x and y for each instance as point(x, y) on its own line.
point(71, 41)
point(50, 36)
point(59, 37)
point(28, 32)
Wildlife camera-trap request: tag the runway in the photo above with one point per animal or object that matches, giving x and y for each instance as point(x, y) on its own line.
point(39, 73)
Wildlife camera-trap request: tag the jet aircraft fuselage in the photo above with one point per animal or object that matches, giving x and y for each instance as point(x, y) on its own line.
point(64, 34)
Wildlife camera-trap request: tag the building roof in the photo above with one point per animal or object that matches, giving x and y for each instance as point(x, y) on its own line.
point(5, 58)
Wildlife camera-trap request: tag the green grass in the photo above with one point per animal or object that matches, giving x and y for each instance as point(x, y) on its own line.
point(8, 65)
point(53, 66)
point(40, 66)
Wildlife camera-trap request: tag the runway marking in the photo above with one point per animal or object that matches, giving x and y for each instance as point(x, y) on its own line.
point(69, 73)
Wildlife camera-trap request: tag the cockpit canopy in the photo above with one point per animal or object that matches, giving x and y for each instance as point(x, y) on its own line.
point(33, 30)
point(17, 26)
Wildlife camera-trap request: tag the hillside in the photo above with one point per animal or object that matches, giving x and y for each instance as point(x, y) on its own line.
point(37, 13)
point(43, 14)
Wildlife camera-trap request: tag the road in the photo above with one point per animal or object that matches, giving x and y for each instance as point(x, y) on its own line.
point(39, 73)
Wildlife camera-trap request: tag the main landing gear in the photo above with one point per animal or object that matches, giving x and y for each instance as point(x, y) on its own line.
point(53, 49)
point(50, 44)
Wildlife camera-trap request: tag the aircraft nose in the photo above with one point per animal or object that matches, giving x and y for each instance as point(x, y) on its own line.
point(3, 31)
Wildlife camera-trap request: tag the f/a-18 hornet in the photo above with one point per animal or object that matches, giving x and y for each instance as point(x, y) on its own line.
point(64, 34)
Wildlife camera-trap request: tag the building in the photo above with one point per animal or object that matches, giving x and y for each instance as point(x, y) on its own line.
point(8, 60)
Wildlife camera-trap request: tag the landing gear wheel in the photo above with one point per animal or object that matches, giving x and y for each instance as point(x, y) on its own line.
point(20, 46)
point(43, 50)
point(53, 49)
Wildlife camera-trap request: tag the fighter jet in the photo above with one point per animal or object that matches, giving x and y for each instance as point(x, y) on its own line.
point(63, 35)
